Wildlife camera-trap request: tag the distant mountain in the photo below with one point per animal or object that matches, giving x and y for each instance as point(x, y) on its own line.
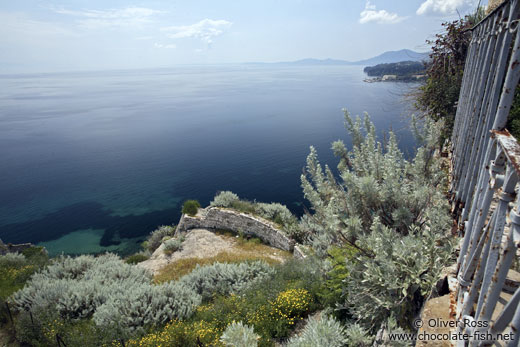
point(319, 62)
point(385, 58)
point(393, 57)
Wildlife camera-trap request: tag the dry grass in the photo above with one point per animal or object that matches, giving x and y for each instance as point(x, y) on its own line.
point(243, 250)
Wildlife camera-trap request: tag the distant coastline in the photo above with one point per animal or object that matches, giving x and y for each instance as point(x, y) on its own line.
point(404, 71)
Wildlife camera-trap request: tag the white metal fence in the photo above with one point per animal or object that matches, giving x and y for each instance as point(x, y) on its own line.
point(486, 170)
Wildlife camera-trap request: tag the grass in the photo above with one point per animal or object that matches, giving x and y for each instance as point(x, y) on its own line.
point(175, 270)
point(244, 250)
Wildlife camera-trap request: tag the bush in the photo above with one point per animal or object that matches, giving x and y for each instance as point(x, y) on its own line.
point(173, 245)
point(181, 267)
point(191, 207)
point(12, 260)
point(332, 291)
point(136, 258)
point(439, 95)
point(323, 331)
point(223, 279)
point(273, 305)
point(75, 287)
point(277, 318)
point(155, 239)
point(224, 199)
point(42, 329)
point(144, 305)
point(277, 213)
point(15, 271)
point(390, 211)
point(239, 335)
point(358, 336)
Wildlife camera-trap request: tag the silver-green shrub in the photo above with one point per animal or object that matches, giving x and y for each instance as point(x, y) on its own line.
point(223, 278)
point(146, 305)
point(75, 287)
point(358, 336)
point(276, 212)
point(323, 331)
point(173, 245)
point(12, 260)
point(239, 335)
point(392, 211)
point(224, 199)
point(155, 239)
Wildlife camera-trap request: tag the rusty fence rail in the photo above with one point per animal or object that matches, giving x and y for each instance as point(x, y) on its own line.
point(485, 176)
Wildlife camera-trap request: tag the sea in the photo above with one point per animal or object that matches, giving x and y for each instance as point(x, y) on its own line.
point(92, 162)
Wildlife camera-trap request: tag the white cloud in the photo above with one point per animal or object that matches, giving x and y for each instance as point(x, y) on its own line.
point(371, 14)
point(126, 17)
point(205, 30)
point(160, 45)
point(443, 6)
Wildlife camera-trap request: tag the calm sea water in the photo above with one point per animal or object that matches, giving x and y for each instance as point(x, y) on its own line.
point(94, 161)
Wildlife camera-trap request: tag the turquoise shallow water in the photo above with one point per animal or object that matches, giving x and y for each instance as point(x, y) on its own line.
point(94, 161)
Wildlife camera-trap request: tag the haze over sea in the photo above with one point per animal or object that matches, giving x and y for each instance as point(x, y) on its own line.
point(94, 161)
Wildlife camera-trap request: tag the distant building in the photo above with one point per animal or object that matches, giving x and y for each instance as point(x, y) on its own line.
point(389, 77)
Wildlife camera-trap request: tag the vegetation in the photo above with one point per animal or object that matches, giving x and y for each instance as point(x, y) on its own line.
point(247, 251)
point(156, 237)
point(239, 335)
point(324, 331)
point(191, 207)
point(403, 69)
point(173, 245)
point(136, 258)
point(391, 211)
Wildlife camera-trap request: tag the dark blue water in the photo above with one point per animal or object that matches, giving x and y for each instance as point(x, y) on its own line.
point(95, 161)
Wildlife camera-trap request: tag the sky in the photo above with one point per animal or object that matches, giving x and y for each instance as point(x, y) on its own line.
point(77, 35)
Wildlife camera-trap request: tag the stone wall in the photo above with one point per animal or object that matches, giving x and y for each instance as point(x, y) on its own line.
point(215, 218)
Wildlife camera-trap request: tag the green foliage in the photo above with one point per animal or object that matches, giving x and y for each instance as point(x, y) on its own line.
point(322, 331)
point(12, 260)
point(182, 334)
point(155, 239)
point(439, 95)
point(136, 258)
point(272, 306)
point(401, 69)
point(121, 297)
point(173, 245)
point(332, 291)
point(392, 211)
point(42, 329)
point(190, 207)
point(239, 335)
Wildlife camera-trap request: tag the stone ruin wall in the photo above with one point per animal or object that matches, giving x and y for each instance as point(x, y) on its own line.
point(215, 218)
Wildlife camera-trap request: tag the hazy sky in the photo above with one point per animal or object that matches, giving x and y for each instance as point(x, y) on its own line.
point(61, 35)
